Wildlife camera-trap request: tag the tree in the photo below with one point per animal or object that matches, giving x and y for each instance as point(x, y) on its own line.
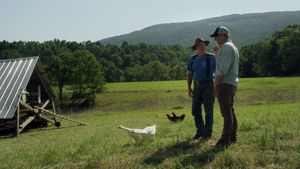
point(87, 74)
point(155, 71)
point(248, 59)
point(134, 73)
point(111, 72)
point(289, 50)
point(9, 54)
point(178, 71)
point(60, 71)
point(275, 56)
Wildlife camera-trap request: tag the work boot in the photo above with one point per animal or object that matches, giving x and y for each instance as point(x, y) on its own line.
point(223, 142)
point(197, 136)
point(233, 139)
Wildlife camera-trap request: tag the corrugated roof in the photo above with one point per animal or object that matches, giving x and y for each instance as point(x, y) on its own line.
point(14, 77)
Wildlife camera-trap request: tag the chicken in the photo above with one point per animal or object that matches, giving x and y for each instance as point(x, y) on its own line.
point(140, 134)
point(175, 118)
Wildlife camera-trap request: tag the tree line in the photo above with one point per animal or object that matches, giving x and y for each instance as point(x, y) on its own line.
point(278, 55)
point(84, 67)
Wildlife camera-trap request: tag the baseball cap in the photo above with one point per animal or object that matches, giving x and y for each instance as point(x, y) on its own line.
point(221, 30)
point(198, 40)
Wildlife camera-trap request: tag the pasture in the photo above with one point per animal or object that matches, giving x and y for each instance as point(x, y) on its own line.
point(268, 112)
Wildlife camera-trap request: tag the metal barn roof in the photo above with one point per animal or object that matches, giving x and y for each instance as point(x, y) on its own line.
point(14, 77)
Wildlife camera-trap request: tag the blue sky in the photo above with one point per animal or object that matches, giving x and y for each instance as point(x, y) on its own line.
point(82, 20)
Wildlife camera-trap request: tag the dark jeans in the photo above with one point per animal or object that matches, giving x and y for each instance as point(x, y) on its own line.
point(225, 94)
point(203, 96)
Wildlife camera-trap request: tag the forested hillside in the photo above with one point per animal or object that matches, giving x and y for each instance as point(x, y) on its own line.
point(245, 29)
point(85, 67)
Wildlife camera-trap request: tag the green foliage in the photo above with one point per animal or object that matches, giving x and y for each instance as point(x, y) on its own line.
point(178, 71)
point(155, 71)
point(59, 69)
point(9, 54)
point(86, 74)
point(134, 73)
point(278, 55)
point(126, 63)
point(85, 66)
point(111, 71)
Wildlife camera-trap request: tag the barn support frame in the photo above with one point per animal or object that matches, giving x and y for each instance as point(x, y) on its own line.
point(18, 120)
point(26, 96)
point(38, 112)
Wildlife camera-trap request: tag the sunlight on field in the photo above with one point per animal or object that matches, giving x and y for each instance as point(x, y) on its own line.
point(244, 84)
point(268, 137)
point(171, 94)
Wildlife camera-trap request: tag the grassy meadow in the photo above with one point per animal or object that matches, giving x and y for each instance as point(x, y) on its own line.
point(268, 112)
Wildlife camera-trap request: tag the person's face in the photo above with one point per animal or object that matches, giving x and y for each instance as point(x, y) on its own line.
point(220, 39)
point(201, 47)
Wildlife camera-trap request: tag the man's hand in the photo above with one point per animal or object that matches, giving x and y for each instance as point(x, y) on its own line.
point(214, 92)
point(217, 49)
point(189, 80)
point(190, 91)
point(218, 80)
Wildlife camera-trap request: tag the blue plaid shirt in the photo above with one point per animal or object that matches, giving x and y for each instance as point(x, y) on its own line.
point(198, 66)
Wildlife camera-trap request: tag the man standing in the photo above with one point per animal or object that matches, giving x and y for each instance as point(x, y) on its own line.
point(201, 68)
point(226, 83)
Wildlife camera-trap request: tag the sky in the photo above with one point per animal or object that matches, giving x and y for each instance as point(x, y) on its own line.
point(83, 20)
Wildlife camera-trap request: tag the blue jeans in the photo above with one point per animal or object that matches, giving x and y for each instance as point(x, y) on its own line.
point(203, 95)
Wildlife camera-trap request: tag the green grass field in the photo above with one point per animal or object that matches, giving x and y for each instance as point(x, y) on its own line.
point(268, 111)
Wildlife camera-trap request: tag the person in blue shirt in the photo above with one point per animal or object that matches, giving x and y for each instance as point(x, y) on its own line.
point(201, 71)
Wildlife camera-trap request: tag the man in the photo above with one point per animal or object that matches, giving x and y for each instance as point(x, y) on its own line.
point(226, 83)
point(201, 68)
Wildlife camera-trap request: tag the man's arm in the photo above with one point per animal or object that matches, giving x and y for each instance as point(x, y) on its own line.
point(223, 65)
point(219, 79)
point(217, 50)
point(225, 59)
point(189, 81)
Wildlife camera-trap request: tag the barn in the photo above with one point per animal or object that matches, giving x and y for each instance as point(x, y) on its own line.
point(27, 99)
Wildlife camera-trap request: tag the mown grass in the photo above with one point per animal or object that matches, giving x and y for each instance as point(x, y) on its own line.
point(172, 94)
point(268, 136)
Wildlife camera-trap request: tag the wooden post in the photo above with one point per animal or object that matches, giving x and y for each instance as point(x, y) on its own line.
point(39, 94)
point(54, 109)
point(63, 117)
point(18, 120)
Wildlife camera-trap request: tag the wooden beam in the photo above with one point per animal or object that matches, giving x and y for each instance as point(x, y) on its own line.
point(26, 105)
point(18, 120)
point(54, 109)
point(47, 119)
point(66, 118)
point(39, 94)
point(46, 104)
point(26, 122)
point(29, 107)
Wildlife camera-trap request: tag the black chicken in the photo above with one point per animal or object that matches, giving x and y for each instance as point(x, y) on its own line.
point(175, 118)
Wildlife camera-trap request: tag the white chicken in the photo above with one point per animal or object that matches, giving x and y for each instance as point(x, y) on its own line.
point(140, 134)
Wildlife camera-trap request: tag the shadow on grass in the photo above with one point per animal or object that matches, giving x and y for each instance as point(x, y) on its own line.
point(171, 151)
point(11, 134)
point(202, 158)
point(180, 148)
point(38, 130)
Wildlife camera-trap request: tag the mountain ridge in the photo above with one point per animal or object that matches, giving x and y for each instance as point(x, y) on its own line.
point(245, 29)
